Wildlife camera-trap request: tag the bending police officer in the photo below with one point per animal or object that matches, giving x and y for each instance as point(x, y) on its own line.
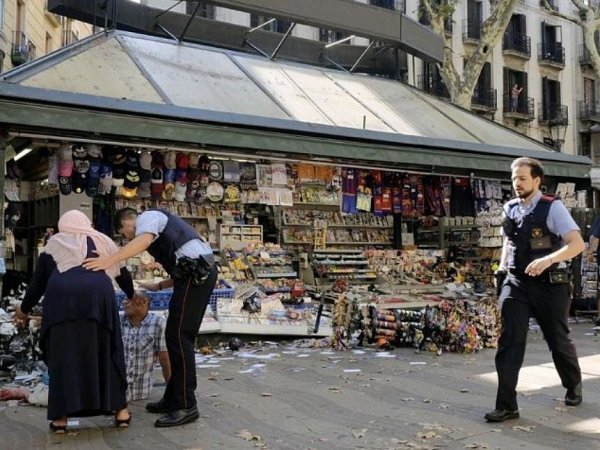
point(539, 235)
point(190, 263)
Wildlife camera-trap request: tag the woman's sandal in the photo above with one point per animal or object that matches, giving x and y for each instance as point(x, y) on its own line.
point(58, 429)
point(123, 423)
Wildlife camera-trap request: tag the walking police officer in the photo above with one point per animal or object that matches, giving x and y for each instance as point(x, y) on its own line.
point(190, 263)
point(539, 235)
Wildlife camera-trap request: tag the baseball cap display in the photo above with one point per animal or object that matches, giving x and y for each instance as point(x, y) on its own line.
point(182, 160)
point(132, 179)
point(105, 179)
point(94, 151)
point(64, 185)
point(146, 160)
point(144, 189)
point(79, 181)
point(65, 153)
point(93, 178)
point(156, 183)
point(171, 160)
point(180, 188)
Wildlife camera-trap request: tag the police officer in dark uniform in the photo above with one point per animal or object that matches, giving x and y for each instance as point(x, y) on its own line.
point(190, 263)
point(540, 235)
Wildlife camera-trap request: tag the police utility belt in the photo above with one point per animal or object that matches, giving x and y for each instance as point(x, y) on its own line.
point(555, 276)
point(196, 269)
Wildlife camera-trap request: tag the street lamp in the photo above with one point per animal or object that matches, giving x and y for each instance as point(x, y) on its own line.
point(558, 130)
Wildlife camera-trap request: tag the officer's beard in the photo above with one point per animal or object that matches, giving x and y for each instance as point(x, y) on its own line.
point(525, 194)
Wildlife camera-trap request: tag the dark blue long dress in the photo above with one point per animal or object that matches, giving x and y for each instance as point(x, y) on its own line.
point(80, 337)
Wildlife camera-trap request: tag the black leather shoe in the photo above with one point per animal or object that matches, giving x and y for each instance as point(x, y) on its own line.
point(159, 407)
point(500, 415)
point(178, 417)
point(574, 396)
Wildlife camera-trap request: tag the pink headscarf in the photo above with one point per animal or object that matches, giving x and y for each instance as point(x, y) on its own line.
point(69, 246)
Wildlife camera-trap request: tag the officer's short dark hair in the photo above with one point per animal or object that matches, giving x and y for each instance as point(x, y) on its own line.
point(537, 170)
point(124, 214)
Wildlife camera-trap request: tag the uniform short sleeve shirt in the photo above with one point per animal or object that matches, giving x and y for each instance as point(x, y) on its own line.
point(154, 222)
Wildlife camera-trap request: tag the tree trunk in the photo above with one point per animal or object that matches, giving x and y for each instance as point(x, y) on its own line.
point(460, 86)
point(590, 22)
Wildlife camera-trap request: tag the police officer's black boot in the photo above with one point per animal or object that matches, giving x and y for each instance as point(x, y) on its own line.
point(574, 396)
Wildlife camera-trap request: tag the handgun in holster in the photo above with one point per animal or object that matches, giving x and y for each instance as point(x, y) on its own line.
point(500, 277)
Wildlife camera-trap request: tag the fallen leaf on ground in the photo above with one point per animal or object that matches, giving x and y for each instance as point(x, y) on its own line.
point(528, 429)
point(477, 445)
point(359, 434)
point(428, 435)
point(246, 435)
point(266, 394)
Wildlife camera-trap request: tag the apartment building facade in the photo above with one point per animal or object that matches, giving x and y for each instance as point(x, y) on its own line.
point(28, 30)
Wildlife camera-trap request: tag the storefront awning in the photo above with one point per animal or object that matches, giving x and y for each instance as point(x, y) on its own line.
point(142, 88)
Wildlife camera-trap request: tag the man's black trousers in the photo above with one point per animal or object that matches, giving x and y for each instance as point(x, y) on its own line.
point(521, 298)
point(186, 310)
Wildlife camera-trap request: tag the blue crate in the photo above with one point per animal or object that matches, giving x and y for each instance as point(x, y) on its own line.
point(220, 293)
point(160, 300)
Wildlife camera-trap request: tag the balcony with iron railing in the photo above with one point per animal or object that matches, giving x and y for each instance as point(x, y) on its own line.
point(23, 49)
point(69, 37)
point(484, 100)
point(517, 44)
point(552, 4)
point(521, 108)
point(589, 111)
point(433, 84)
point(471, 30)
point(553, 113)
point(551, 54)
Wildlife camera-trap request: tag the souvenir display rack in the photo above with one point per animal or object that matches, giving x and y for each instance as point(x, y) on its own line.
point(334, 264)
point(298, 228)
point(272, 267)
point(237, 237)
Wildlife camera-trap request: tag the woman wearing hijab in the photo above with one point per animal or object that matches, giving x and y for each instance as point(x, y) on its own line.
point(81, 335)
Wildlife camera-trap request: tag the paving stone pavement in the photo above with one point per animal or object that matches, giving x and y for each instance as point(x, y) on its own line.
point(282, 397)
